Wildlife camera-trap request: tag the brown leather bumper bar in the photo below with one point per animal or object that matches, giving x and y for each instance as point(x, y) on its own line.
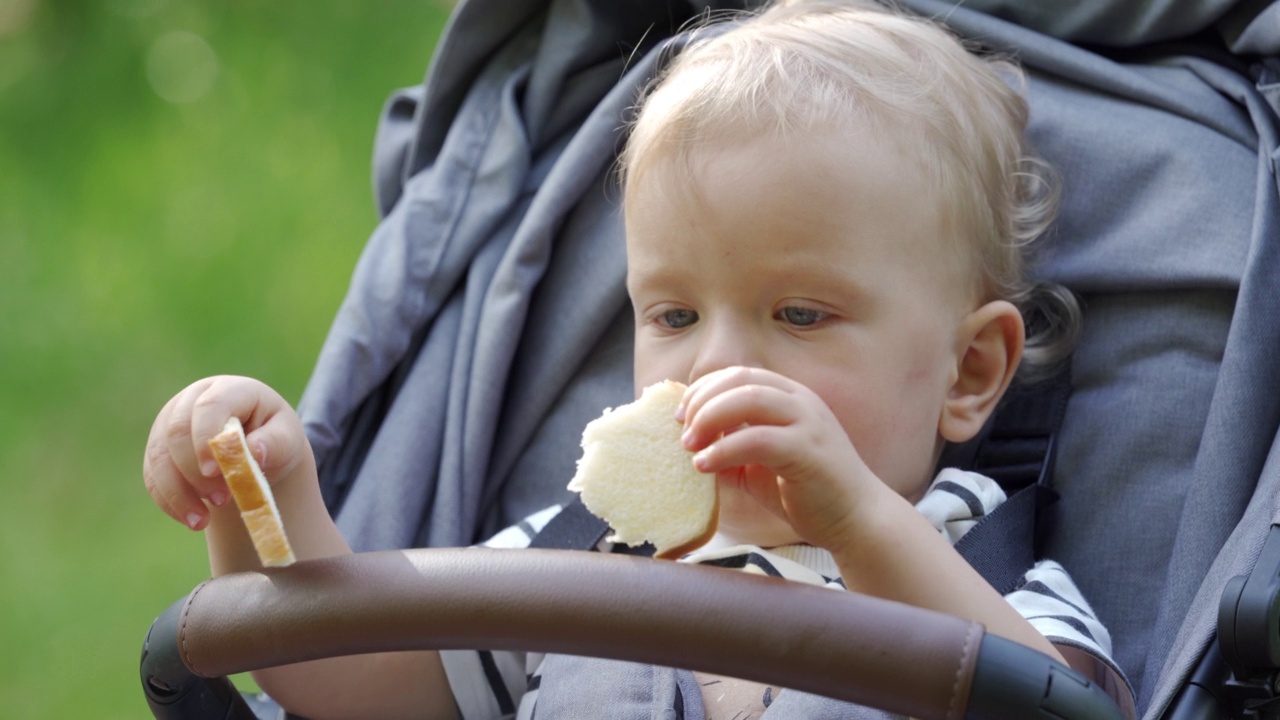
point(842, 645)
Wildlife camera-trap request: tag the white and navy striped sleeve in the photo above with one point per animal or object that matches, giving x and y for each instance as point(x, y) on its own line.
point(957, 500)
point(490, 684)
point(1052, 603)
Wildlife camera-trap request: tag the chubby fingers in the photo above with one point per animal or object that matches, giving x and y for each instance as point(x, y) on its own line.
point(755, 395)
point(732, 416)
point(752, 416)
point(169, 468)
point(272, 428)
point(179, 469)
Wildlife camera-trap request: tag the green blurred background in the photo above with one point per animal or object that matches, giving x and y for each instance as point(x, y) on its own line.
point(184, 190)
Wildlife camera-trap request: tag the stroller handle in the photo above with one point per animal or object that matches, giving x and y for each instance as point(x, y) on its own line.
point(840, 644)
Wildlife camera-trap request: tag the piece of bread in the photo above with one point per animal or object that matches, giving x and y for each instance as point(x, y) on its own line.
point(252, 493)
point(637, 475)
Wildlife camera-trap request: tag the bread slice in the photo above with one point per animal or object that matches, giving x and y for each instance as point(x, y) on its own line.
point(252, 493)
point(637, 475)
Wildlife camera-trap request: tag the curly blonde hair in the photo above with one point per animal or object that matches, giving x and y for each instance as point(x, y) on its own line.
point(804, 65)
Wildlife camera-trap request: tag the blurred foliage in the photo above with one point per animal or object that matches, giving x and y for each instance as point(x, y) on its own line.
point(184, 190)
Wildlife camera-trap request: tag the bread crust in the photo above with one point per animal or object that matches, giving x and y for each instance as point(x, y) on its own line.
point(713, 522)
point(252, 495)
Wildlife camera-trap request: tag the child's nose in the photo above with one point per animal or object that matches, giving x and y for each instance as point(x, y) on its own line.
point(725, 345)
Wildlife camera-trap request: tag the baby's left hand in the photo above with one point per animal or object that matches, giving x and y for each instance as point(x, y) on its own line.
point(778, 441)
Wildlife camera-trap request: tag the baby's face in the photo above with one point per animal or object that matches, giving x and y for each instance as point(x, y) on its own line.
point(822, 259)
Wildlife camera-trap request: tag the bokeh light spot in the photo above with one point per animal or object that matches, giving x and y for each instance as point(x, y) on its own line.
point(181, 67)
point(15, 15)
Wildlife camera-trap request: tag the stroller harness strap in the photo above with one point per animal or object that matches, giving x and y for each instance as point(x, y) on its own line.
point(1016, 449)
point(573, 528)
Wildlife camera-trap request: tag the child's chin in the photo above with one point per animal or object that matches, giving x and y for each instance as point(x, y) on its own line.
point(743, 521)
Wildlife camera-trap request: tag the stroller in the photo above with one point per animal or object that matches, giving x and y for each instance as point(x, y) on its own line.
point(487, 322)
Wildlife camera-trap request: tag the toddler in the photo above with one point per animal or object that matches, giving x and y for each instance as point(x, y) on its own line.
point(827, 208)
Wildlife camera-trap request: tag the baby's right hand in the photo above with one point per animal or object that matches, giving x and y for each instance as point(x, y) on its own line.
point(178, 467)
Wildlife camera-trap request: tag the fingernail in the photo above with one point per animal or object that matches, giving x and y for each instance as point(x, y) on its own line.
point(686, 437)
point(193, 520)
point(219, 498)
point(209, 468)
point(701, 459)
point(680, 412)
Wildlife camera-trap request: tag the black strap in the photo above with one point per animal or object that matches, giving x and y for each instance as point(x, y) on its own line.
point(1017, 448)
point(1002, 546)
point(575, 528)
point(1017, 451)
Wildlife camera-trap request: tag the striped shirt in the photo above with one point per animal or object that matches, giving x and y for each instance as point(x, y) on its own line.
point(505, 684)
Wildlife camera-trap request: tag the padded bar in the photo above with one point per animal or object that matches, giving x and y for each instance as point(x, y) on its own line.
point(843, 645)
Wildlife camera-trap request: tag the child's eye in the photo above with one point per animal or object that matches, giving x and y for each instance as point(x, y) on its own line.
point(801, 316)
point(678, 318)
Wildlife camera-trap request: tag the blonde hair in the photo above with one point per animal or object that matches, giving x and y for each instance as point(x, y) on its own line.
point(808, 65)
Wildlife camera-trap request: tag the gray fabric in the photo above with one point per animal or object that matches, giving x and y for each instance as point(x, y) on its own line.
point(1110, 22)
point(1243, 416)
point(578, 687)
point(416, 270)
point(1158, 270)
point(792, 705)
point(1147, 388)
point(1249, 25)
point(1237, 557)
point(1269, 81)
point(1151, 377)
point(441, 294)
point(391, 147)
point(487, 322)
point(1252, 28)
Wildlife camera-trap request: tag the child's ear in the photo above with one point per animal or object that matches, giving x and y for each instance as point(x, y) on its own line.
point(988, 349)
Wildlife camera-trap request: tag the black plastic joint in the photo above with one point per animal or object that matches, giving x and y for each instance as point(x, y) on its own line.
point(173, 691)
point(1014, 682)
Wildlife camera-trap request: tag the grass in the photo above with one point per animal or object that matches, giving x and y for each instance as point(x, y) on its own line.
point(146, 242)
